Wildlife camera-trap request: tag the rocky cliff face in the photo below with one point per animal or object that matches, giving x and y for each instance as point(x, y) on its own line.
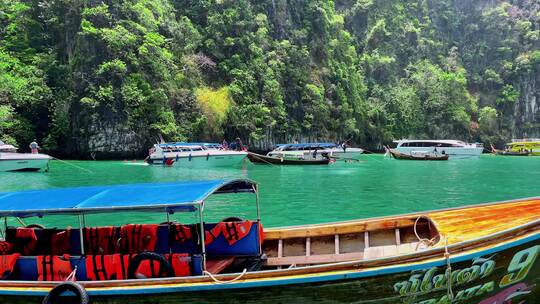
point(111, 141)
point(527, 109)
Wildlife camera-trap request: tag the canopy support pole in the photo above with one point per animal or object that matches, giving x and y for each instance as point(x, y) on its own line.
point(257, 201)
point(81, 225)
point(203, 246)
point(5, 226)
point(169, 231)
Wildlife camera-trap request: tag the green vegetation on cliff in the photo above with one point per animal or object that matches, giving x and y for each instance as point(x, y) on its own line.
point(93, 76)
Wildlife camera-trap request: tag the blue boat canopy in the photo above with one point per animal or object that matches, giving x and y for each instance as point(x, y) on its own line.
point(166, 197)
point(306, 145)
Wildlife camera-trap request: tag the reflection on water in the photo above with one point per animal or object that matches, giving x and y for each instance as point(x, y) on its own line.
point(292, 195)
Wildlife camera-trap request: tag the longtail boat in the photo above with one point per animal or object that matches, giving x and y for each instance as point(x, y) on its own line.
point(422, 156)
point(275, 160)
point(481, 254)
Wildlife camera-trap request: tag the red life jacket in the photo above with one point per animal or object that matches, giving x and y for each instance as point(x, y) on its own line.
point(7, 263)
point(180, 262)
point(30, 239)
point(53, 267)
point(100, 240)
point(232, 231)
point(179, 233)
point(60, 243)
point(149, 269)
point(261, 233)
point(135, 238)
point(5, 247)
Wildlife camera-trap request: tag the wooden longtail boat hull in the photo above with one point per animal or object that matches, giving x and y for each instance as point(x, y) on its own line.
point(478, 279)
point(262, 159)
point(402, 156)
point(493, 250)
point(513, 153)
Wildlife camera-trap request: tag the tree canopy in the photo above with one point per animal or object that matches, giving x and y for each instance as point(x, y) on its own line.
point(115, 75)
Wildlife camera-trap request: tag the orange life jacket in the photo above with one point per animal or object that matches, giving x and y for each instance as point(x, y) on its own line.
point(100, 240)
point(60, 243)
point(135, 238)
point(180, 262)
point(232, 231)
point(53, 267)
point(30, 239)
point(121, 264)
point(179, 233)
point(100, 267)
point(5, 247)
point(7, 263)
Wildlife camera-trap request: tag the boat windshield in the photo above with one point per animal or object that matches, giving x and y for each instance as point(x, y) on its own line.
point(432, 144)
point(304, 147)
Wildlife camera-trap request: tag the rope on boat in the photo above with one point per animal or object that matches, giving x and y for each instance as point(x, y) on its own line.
point(422, 241)
point(218, 281)
point(75, 166)
point(21, 221)
point(448, 273)
point(260, 158)
point(370, 152)
point(71, 276)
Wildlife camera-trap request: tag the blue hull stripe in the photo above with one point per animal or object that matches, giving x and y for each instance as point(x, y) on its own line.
point(312, 279)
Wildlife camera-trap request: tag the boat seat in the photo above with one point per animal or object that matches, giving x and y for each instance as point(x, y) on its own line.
point(26, 267)
point(377, 252)
point(249, 245)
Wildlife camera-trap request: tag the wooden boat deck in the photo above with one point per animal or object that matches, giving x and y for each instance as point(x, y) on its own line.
point(465, 224)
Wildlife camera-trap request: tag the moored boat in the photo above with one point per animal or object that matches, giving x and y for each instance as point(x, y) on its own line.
point(521, 147)
point(418, 156)
point(10, 160)
point(195, 155)
point(316, 151)
point(286, 160)
point(475, 254)
point(453, 148)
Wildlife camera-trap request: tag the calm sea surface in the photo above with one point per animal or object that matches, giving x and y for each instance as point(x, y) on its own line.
point(292, 195)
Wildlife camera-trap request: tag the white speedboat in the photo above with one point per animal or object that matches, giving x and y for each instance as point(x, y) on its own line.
point(315, 151)
point(10, 160)
point(452, 148)
point(194, 155)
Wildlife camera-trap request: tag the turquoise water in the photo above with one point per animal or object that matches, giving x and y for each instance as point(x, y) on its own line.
point(292, 195)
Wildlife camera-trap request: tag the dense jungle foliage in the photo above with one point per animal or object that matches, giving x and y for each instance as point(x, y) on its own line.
point(113, 75)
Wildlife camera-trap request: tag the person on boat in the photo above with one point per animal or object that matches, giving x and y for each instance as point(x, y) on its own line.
point(344, 146)
point(34, 147)
point(238, 144)
point(225, 145)
point(315, 153)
